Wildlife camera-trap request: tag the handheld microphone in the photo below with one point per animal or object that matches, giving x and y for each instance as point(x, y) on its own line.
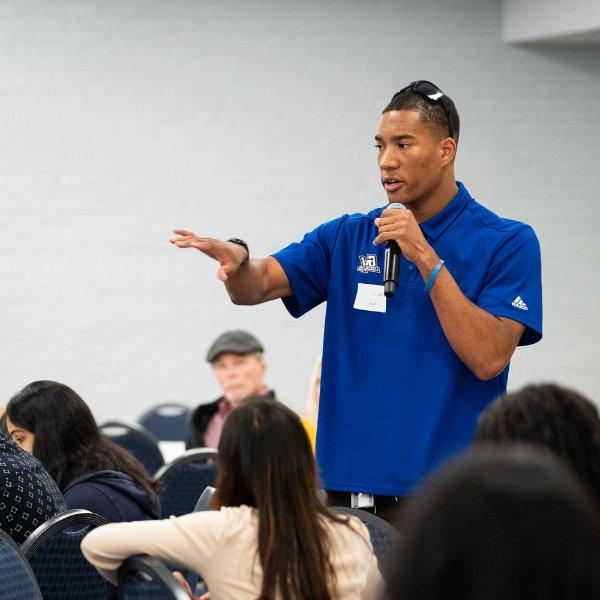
point(391, 261)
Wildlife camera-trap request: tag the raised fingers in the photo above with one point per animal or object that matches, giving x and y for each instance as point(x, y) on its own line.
point(183, 242)
point(183, 239)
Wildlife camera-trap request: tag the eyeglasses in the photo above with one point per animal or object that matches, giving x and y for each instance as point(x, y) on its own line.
point(433, 92)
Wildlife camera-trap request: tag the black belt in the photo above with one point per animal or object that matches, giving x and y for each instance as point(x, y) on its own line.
point(335, 498)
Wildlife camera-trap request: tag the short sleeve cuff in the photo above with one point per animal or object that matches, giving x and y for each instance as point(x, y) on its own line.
point(533, 326)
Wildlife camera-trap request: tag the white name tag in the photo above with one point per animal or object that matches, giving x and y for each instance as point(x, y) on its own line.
point(370, 297)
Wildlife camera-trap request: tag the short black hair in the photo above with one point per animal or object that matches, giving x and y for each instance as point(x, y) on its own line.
point(553, 416)
point(431, 111)
point(498, 522)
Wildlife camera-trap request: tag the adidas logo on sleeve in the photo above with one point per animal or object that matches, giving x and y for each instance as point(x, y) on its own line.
point(518, 303)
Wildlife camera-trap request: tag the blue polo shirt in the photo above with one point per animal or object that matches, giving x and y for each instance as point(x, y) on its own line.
point(395, 398)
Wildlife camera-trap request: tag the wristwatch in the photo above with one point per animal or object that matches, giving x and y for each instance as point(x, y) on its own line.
point(243, 244)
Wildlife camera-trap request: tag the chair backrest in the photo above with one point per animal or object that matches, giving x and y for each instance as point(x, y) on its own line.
point(185, 479)
point(384, 537)
point(53, 551)
point(140, 442)
point(147, 578)
point(17, 581)
point(205, 499)
point(204, 503)
point(167, 422)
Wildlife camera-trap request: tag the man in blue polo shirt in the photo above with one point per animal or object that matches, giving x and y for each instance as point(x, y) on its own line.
point(404, 378)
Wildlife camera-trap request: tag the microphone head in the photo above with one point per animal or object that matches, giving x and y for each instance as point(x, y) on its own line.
point(396, 206)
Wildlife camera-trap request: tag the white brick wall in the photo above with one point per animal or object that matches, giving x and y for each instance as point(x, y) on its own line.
point(120, 120)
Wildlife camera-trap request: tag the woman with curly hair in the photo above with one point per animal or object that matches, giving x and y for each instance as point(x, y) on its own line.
point(553, 416)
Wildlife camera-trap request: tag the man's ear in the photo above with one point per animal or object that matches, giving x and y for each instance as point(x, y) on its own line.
point(261, 361)
point(447, 150)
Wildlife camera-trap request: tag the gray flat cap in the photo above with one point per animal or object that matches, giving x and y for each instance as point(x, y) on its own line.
point(235, 342)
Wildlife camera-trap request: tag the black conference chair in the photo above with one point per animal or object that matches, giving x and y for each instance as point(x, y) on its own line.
point(17, 581)
point(185, 479)
point(205, 500)
point(384, 537)
point(140, 442)
point(204, 503)
point(147, 578)
point(62, 572)
point(168, 422)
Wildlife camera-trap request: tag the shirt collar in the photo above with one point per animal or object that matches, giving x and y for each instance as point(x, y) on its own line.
point(436, 225)
point(224, 407)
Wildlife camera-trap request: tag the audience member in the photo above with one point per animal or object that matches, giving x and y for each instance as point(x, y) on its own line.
point(269, 535)
point(52, 422)
point(499, 523)
point(237, 361)
point(28, 495)
point(553, 416)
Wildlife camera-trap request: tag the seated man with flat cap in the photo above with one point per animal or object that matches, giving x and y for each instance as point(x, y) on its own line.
point(238, 364)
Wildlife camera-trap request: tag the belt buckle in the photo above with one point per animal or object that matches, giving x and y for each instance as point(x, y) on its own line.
point(361, 500)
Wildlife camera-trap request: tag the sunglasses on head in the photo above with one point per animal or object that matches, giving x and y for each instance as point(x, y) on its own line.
point(431, 91)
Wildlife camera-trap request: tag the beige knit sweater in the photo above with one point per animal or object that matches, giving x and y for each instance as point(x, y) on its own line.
point(221, 546)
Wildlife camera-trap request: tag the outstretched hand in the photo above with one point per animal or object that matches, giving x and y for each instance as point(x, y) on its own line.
point(229, 255)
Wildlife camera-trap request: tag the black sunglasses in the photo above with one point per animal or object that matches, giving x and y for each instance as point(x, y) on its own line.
point(433, 93)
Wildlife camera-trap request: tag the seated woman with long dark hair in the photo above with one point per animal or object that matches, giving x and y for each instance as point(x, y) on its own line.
point(52, 422)
point(269, 535)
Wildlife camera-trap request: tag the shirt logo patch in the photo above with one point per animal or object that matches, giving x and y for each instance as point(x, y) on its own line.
point(518, 303)
point(368, 264)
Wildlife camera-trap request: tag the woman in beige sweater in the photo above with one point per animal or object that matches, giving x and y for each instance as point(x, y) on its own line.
point(269, 537)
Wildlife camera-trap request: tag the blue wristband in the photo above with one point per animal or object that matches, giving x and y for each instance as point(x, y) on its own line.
point(433, 275)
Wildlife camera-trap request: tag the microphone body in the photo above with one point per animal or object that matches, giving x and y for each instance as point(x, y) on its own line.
point(391, 261)
point(391, 268)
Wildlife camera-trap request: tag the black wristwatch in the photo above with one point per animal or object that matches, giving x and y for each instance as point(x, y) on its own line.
point(241, 243)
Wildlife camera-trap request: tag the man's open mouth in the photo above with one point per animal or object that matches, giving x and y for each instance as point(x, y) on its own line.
point(391, 184)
